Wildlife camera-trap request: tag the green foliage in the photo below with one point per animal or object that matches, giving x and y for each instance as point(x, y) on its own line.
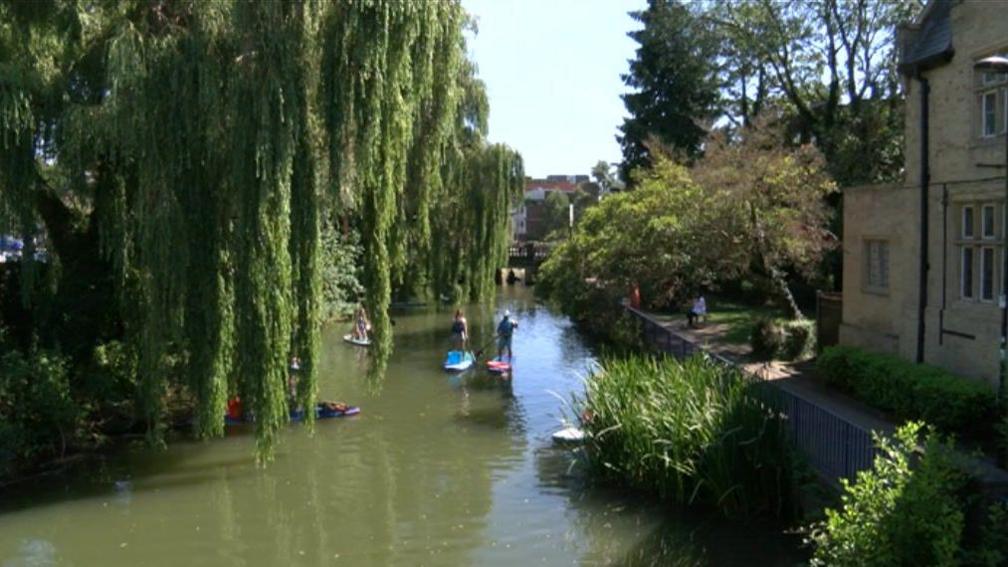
point(912, 391)
point(768, 206)
point(38, 416)
point(694, 432)
point(992, 548)
point(673, 83)
point(111, 378)
point(606, 177)
point(906, 510)
point(556, 214)
point(650, 237)
point(751, 205)
point(340, 273)
point(208, 233)
point(784, 340)
point(830, 67)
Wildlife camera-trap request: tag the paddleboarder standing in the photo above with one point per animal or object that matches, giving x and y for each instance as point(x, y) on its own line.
point(505, 330)
point(361, 324)
point(460, 330)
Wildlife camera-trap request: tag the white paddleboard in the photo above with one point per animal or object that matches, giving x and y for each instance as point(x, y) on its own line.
point(350, 339)
point(570, 435)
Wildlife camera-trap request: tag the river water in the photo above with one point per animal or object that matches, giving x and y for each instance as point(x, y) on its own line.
point(437, 470)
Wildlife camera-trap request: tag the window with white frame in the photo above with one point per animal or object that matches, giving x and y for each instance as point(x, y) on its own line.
point(876, 265)
point(966, 272)
point(968, 224)
point(988, 114)
point(992, 98)
point(987, 221)
point(979, 249)
point(987, 273)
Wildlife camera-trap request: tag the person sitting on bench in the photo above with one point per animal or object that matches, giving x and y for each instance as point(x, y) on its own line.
point(697, 312)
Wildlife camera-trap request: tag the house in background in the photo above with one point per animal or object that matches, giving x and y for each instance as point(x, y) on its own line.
point(923, 260)
point(527, 220)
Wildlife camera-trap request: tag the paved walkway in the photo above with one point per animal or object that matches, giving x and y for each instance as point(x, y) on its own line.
point(800, 379)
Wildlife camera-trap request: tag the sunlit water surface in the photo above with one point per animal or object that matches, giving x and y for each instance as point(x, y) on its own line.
point(437, 470)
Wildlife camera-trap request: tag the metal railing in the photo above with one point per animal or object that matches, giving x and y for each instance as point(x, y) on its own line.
point(835, 447)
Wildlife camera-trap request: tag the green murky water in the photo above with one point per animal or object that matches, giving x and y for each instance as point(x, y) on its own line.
point(437, 470)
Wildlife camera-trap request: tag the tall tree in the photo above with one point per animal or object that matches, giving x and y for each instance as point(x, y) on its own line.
point(606, 178)
point(830, 64)
point(673, 83)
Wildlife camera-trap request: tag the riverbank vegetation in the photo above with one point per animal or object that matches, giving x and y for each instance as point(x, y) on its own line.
point(749, 209)
point(211, 180)
point(913, 507)
point(693, 432)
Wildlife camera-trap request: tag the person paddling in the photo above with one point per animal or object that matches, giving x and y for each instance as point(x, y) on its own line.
point(361, 324)
point(460, 330)
point(504, 332)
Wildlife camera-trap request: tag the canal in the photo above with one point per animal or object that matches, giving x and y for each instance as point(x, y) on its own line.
point(437, 470)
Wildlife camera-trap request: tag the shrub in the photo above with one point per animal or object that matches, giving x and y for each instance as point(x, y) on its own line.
point(785, 340)
point(339, 267)
point(37, 414)
point(912, 391)
point(905, 510)
point(694, 432)
point(992, 548)
point(111, 375)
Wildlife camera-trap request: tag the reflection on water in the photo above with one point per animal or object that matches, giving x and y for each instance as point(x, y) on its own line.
point(437, 470)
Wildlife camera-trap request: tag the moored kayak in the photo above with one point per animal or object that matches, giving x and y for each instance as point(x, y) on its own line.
point(457, 361)
point(322, 411)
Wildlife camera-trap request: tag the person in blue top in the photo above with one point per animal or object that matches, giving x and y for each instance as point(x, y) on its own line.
point(504, 332)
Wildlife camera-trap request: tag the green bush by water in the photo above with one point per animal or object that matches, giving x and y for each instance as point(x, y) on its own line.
point(912, 391)
point(694, 432)
point(37, 414)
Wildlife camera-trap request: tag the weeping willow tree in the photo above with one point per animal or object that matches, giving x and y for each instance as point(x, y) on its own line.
point(470, 219)
point(179, 157)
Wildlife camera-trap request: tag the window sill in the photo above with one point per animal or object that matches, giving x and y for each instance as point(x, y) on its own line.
point(877, 291)
point(987, 141)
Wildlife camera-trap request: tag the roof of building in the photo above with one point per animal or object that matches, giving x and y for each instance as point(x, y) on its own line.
point(927, 43)
point(550, 185)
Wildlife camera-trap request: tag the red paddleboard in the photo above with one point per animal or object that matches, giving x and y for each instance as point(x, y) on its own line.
point(498, 366)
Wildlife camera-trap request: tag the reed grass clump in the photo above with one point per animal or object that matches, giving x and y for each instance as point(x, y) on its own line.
point(694, 432)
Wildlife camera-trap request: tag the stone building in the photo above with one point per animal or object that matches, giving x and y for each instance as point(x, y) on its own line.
point(923, 260)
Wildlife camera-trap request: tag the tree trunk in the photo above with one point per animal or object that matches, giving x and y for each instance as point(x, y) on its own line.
point(782, 287)
point(776, 276)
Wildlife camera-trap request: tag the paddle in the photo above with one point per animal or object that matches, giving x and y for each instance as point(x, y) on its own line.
point(479, 352)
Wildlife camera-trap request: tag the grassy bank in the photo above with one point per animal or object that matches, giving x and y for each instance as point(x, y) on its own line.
point(693, 432)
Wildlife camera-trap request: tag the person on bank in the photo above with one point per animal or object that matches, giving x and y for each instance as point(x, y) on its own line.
point(698, 310)
point(460, 330)
point(361, 324)
point(505, 330)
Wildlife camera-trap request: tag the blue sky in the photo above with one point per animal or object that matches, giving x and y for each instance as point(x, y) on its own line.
point(552, 70)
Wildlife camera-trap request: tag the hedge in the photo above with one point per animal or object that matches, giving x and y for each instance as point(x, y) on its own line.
point(911, 391)
point(782, 340)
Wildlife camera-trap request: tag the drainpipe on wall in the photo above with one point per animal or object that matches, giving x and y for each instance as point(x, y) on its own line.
point(925, 181)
